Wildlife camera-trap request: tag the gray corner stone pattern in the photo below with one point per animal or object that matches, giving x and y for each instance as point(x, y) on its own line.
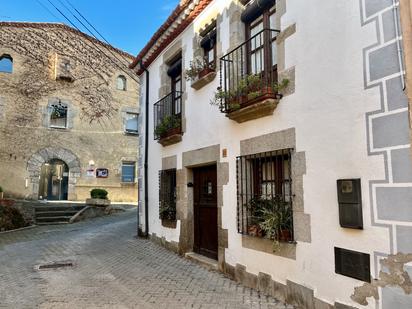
point(402, 165)
point(404, 235)
point(374, 6)
point(395, 94)
point(391, 130)
point(383, 62)
point(394, 203)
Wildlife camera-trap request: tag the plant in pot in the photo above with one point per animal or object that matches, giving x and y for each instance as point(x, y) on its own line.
point(1, 193)
point(167, 211)
point(198, 68)
point(99, 194)
point(168, 126)
point(276, 220)
point(221, 98)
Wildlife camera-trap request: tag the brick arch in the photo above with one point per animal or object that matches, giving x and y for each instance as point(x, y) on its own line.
point(36, 161)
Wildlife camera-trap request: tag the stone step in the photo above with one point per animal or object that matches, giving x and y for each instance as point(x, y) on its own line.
point(202, 260)
point(53, 219)
point(61, 213)
point(58, 208)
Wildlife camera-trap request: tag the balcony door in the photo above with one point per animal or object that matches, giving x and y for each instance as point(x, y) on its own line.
point(175, 74)
point(261, 50)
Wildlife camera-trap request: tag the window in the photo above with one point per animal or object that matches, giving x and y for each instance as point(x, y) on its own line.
point(128, 171)
point(58, 115)
point(208, 43)
point(264, 195)
point(6, 64)
point(131, 123)
point(121, 83)
point(175, 73)
point(167, 194)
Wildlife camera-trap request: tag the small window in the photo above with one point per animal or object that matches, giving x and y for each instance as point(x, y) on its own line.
point(58, 115)
point(167, 195)
point(131, 123)
point(264, 195)
point(121, 83)
point(6, 64)
point(128, 171)
point(208, 43)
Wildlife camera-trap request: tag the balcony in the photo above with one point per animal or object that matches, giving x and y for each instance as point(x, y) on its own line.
point(168, 119)
point(249, 82)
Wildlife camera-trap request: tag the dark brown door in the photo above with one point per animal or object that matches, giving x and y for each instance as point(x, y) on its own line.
point(205, 211)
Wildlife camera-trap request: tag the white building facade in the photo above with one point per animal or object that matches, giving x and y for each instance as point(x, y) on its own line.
point(309, 118)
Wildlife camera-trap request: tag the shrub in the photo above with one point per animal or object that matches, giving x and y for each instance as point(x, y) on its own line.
point(11, 218)
point(99, 193)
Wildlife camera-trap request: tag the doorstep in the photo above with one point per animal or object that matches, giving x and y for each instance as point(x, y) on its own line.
point(202, 260)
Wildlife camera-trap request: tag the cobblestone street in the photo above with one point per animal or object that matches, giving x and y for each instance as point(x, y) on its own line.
point(111, 269)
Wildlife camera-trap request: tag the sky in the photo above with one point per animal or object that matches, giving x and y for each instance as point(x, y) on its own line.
point(126, 24)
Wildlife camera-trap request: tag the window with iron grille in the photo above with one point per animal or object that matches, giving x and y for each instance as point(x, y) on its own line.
point(167, 194)
point(264, 195)
point(58, 115)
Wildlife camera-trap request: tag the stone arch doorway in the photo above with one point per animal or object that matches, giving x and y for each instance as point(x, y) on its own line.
point(56, 156)
point(54, 181)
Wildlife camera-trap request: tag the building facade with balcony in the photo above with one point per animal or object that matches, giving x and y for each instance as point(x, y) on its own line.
point(278, 145)
point(68, 115)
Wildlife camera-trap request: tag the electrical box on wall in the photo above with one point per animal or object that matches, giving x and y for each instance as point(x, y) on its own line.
point(350, 203)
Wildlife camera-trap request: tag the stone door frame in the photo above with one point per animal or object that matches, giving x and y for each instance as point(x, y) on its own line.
point(36, 161)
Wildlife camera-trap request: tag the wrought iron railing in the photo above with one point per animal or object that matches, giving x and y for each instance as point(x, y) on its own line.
point(167, 194)
point(264, 195)
point(168, 115)
point(249, 72)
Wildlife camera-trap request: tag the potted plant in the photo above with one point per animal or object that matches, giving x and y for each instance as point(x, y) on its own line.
point(169, 125)
point(198, 68)
point(270, 218)
point(98, 198)
point(1, 193)
point(167, 211)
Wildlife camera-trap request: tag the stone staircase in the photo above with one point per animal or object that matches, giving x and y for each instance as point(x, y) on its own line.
point(56, 213)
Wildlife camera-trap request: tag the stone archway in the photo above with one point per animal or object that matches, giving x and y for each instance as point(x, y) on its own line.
point(36, 161)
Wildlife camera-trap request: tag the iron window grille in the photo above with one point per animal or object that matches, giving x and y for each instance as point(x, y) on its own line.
point(58, 115)
point(168, 115)
point(249, 73)
point(264, 192)
point(167, 194)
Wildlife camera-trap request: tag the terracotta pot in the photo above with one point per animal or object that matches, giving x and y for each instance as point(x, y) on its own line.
point(171, 132)
point(285, 235)
point(205, 71)
point(255, 231)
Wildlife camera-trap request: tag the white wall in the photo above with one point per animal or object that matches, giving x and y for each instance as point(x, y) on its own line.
point(327, 111)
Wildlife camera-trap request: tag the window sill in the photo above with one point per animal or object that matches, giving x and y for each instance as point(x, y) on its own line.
point(131, 133)
point(257, 108)
point(128, 184)
point(286, 249)
point(58, 128)
point(203, 81)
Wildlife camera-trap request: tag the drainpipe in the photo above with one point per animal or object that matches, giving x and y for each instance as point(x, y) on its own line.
point(145, 233)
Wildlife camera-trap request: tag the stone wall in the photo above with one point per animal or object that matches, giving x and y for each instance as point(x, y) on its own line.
point(96, 110)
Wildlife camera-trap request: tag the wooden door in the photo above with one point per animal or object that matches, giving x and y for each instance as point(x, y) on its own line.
point(205, 211)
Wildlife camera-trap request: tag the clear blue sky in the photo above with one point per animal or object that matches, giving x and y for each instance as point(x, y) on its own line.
point(126, 24)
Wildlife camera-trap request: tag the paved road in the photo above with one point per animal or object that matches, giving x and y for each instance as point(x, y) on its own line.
point(112, 269)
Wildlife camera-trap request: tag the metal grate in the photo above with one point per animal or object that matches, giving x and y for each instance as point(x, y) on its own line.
point(55, 265)
point(264, 193)
point(249, 72)
point(167, 194)
point(168, 115)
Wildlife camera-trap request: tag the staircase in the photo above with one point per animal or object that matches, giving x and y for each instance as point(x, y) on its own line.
point(56, 213)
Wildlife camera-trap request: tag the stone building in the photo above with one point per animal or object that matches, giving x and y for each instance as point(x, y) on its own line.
point(308, 127)
point(68, 115)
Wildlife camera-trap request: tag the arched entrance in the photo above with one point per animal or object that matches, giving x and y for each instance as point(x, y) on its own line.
point(54, 181)
point(40, 176)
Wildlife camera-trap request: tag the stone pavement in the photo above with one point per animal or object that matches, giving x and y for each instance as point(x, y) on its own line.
point(112, 269)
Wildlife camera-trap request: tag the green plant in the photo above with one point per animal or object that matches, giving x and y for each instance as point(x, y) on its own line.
point(278, 87)
point(195, 67)
point(274, 217)
point(167, 123)
point(99, 193)
point(1, 189)
point(11, 218)
point(167, 211)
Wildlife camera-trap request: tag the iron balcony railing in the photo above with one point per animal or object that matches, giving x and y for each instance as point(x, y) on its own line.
point(249, 72)
point(168, 115)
